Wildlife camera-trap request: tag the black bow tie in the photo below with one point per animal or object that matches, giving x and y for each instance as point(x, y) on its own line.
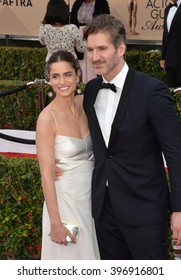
point(173, 5)
point(109, 86)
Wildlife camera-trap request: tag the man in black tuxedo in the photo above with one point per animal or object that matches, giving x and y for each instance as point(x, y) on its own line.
point(132, 121)
point(171, 44)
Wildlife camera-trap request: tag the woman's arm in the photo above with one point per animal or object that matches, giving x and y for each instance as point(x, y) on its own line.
point(45, 134)
point(41, 34)
point(80, 45)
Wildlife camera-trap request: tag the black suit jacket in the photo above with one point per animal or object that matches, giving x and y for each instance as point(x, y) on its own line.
point(132, 163)
point(171, 41)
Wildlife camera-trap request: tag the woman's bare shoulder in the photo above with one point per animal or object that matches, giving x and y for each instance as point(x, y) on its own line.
point(46, 116)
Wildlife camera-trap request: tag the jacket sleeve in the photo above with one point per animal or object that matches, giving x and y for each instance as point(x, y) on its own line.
point(78, 41)
point(74, 12)
point(167, 128)
point(41, 35)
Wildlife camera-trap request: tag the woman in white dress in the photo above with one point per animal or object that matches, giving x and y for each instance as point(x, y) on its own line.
point(62, 136)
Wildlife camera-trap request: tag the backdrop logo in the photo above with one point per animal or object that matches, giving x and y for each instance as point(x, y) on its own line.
point(17, 3)
point(155, 10)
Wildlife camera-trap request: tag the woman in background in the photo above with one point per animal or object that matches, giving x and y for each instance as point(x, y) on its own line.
point(81, 14)
point(62, 136)
point(56, 33)
point(83, 10)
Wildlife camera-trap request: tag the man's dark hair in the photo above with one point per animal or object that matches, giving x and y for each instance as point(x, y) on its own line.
point(107, 23)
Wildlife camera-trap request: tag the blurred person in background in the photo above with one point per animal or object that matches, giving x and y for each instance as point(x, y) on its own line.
point(81, 14)
point(171, 44)
point(57, 34)
point(83, 10)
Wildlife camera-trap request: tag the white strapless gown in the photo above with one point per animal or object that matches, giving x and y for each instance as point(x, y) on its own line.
point(74, 200)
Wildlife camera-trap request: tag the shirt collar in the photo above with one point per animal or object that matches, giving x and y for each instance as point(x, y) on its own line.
point(121, 76)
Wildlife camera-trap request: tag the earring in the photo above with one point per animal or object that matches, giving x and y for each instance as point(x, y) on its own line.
point(80, 88)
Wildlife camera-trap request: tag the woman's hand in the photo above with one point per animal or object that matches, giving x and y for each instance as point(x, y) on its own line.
point(59, 233)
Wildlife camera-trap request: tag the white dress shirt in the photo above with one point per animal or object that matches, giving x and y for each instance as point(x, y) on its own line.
point(171, 15)
point(107, 102)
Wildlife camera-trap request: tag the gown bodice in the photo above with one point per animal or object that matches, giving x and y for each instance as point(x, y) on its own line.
point(73, 152)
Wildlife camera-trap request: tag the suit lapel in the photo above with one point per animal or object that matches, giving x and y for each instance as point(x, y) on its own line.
point(94, 123)
point(175, 17)
point(122, 104)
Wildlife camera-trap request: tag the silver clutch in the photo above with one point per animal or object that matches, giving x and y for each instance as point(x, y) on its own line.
point(75, 230)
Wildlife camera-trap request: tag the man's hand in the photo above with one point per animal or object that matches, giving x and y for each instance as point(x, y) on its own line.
point(58, 171)
point(176, 227)
point(162, 64)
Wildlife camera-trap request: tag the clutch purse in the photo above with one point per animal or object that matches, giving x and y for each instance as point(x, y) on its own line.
point(75, 230)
